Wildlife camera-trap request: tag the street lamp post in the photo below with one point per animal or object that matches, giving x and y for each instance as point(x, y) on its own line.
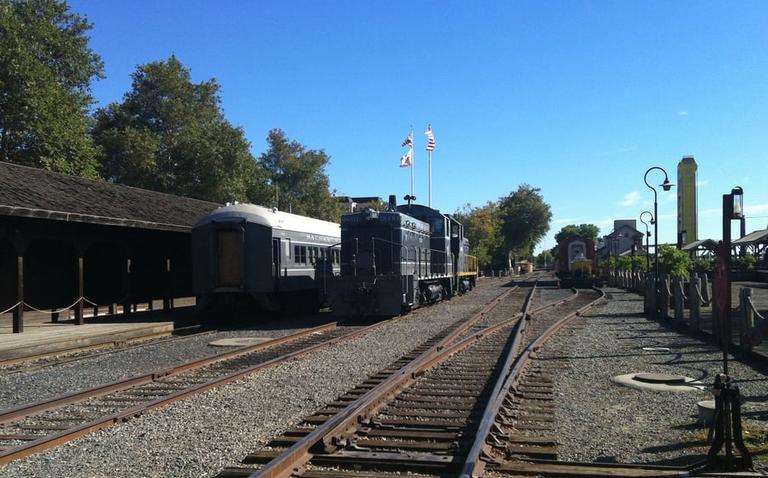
point(666, 186)
point(727, 425)
point(647, 238)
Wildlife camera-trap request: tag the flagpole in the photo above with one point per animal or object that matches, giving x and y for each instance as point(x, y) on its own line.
point(430, 179)
point(413, 161)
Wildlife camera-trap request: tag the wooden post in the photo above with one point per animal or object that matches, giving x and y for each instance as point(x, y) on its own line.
point(127, 287)
point(678, 300)
point(18, 312)
point(715, 318)
point(79, 319)
point(748, 318)
point(705, 286)
point(693, 300)
point(54, 316)
point(167, 303)
point(664, 306)
point(112, 308)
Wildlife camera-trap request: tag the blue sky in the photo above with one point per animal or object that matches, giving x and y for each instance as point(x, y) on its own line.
point(576, 98)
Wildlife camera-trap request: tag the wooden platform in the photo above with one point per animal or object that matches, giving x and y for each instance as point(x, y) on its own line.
point(43, 337)
point(38, 341)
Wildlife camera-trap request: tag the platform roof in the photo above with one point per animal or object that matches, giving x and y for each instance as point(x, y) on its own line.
point(755, 237)
point(37, 193)
point(706, 244)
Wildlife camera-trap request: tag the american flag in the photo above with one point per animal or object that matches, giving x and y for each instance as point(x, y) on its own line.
point(430, 139)
point(408, 141)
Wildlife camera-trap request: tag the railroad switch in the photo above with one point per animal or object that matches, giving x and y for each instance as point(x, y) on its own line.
point(726, 428)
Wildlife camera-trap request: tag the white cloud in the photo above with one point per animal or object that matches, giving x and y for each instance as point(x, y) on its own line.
point(568, 220)
point(630, 199)
point(682, 113)
point(702, 183)
point(755, 209)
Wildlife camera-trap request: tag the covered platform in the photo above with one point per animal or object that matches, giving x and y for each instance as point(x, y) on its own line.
point(70, 245)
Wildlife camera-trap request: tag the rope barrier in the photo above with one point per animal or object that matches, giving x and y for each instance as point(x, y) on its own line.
point(682, 290)
point(53, 311)
point(58, 311)
point(754, 309)
point(10, 308)
point(703, 302)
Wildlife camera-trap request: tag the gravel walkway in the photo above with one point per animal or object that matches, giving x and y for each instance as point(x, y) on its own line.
point(19, 388)
point(598, 420)
point(199, 436)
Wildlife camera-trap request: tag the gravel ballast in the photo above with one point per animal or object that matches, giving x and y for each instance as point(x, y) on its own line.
point(20, 387)
point(199, 436)
point(598, 420)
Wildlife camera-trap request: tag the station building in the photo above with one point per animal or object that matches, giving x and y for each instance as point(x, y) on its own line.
point(69, 243)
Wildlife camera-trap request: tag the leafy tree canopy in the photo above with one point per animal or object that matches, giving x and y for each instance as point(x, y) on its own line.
point(525, 219)
point(673, 261)
point(170, 135)
point(482, 226)
point(545, 259)
point(298, 179)
point(582, 230)
point(46, 68)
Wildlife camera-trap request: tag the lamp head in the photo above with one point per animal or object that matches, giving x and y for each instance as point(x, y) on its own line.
point(666, 185)
point(737, 194)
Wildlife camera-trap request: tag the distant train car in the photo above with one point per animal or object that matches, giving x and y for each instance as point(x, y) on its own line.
point(395, 260)
point(245, 254)
point(576, 258)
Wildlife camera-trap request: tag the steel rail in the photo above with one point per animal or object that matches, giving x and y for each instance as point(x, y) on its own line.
point(334, 431)
point(53, 440)
point(47, 405)
point(515, 363)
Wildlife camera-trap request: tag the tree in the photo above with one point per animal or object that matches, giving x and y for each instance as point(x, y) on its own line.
point(46, 70)
point(170, 135)
point(297, 176)
point(673, 261)
point(582, 230)
point(482, 226)
point(545, 259)
point(525, 219)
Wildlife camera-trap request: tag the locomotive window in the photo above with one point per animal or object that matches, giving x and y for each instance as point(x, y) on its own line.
point(287, 248)
point(296, 253)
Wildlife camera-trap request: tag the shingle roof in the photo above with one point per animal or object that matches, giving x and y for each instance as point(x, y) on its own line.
point(30, 192)
point(754, 237)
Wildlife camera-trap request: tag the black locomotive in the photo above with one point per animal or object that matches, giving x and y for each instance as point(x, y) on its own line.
point(398, 259)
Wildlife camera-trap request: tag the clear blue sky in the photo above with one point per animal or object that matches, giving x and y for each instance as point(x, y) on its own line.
point(576, 98)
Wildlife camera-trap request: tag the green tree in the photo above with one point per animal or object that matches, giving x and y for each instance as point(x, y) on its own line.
point(170, 135)
point(482, 226)
point(673, 261)
point(525, 219)
point(582, 230)
point(46, 68)
point(298, 179)
point(545, 259)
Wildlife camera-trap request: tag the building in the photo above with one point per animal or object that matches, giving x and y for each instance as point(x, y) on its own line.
point(687, 212)
point(351, 204)
point(622, 240)
point(68, 242)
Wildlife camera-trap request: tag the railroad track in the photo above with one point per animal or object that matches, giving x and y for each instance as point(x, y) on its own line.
point(422, 414)
point(33, 428)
